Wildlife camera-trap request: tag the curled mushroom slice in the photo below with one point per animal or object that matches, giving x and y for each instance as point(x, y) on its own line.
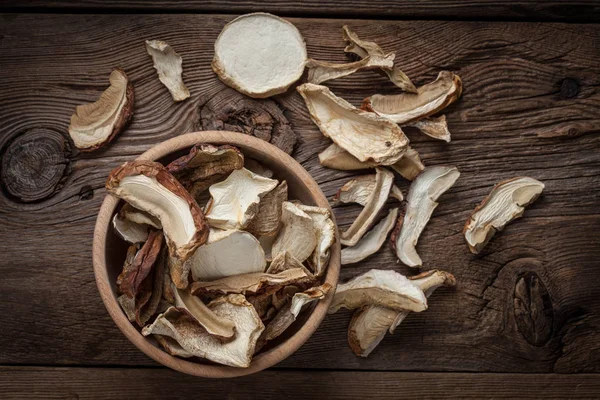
point(96, 124)
point(365, 135)
point(322, 71)
point(147, 304)
point(128, 305)
point(421, 201)
point(410, 165)
point(436, 128)
point(172, 347)
point(168, 66)
point(138, 216)
point(325, 233)
point(407, 107)
point(194, 339)
point(134, 273)
point(297, 235)
point(359, 189)
point(384, 180)
point(379, 288)
point(368, 328)
point(130, 231)
point(236, 199)
point(372, 241)
point(506, 201)
point(227, 253)
point(266, 221)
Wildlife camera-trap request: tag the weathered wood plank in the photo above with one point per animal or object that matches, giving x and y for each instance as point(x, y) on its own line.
point(580, 10)
point(513, 119)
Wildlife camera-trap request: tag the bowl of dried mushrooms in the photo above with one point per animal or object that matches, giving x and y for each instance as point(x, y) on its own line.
point(215, 253)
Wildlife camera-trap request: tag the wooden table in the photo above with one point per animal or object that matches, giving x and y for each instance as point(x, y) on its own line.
point(531, 106)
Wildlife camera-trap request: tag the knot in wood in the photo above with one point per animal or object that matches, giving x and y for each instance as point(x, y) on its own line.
point(569, 88)
point(35, 165)
point(534, 314)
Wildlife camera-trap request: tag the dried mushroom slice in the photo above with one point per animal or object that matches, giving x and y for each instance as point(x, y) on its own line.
point(372, 241)
point(172, 347)
point(261, 302)
point(379, 288)
point(130, 231)
point(368, 328)
point(259, 55)
point(407, 107)
point(436, 128)
point(226, 253)
point(365, 135)
point(96, 124)
point(128, 306)
point(134, 273)
point(364, 221)
point(168, 66)
point(258, 168)
point(282, 262)
point(236, 199)
point(410, 165)
point(194, 339)
point(281, 297)
point(251, 283)
point(297, 235)
point(148, 186)
point(138, 216)
point(322, 71)
point(325, 233)
point(153, 284)
point(266, 242)
point(506, 201)
point(360, 189)
point(266, 221)
point(421, 201)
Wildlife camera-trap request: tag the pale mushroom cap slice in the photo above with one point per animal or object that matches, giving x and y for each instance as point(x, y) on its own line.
point(95, 124)
point(322, 71)
point(138, 216)
point(297, 235)
point(325, 233)
point(360, 189)
point(130, 231)
point(421, 201)
point(378, 287)
point(368, 328)
point(259, 55)
point(365, 135)
point(506, 201)
point(226, 253)
point(337, 158)
point(372, 241)
point(410, 165)
point(236, 199)
point(168, 66)
point(436, 128)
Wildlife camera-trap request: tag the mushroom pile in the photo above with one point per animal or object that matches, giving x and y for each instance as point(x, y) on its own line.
point(216, 281)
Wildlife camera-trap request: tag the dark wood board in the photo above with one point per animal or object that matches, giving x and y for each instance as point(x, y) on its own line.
point(530, 106)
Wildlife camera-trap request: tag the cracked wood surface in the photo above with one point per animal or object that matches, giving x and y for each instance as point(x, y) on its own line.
point(530, 106)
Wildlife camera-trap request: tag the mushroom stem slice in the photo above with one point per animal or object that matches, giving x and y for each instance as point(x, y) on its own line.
point(130, 231)
point(266, 221)
point(96, 124)
point(365, 135)
point(297, 235)
point(436, 128)
point(410, 165)
point(322, 71)
point(325, 233)
point(372, 241)
point(407, 107)
point(378, 287)
point(421, 201)
point(506, 201)
point(168, 66)
point(384, 181)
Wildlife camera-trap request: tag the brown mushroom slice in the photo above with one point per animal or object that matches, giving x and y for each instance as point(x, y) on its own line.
point(128, 306)
point(266, 221)
point(365, 135)
point(281, 297)
point(297, 235)
point(421, 201)
point(258, 168)
point(172, 347)
point(194, 339)
point(282, 262)
point(153, 284)
point(251, 283)
point(364, 48)
point(410, 165)
point(368, 328)
point(148, 186)
point(96, 124)
point(372, 241)
point(288, 314)
point(226, 253)
point(168, 66)
point(130, 231)
point(236, 199)
point(261, 302)
point(506, 201)
point(186, 302)
point(325, 233)
point(138, 216)
point(266, 242)
point(436, 128)
point(379, 288)
point(359, 189)
point(384, 181)
point(322, 71)
point(134, 273)
point(407, 107)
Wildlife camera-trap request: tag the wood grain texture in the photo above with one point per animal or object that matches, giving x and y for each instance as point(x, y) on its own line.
point(580, 10)
point(517, 117)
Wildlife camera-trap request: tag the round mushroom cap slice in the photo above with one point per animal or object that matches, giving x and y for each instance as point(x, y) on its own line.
point(259, 55)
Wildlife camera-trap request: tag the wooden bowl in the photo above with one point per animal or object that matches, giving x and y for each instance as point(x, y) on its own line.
point(109, 254)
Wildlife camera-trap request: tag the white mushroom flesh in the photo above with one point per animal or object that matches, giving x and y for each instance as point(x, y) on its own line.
point(372, 241)
point(168, 66)
point(297, 235)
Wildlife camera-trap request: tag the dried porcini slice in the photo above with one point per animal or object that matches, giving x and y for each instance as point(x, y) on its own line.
point(266, 221)
point(322, 71)
point(130, 231)
point(236, 199)
point(421, 201)
point(281, 297)
point(282, 262)
point(410, 165)
point(360, 189)
point(297, 235)
point(325, 233)
point(266, 242)
point(134, 273)
point(259, 55)
point(168, 66)
point(96, 124)
point(172, 347)
point(364, 48)
point(506, 201)
point(364, 221)
point(407, 107)
point(436, 128)
point(379, 288)
point(194, 339)
point(372, 241)
point(128, 306)
point(258, 168)
point(227, 253)
point(138, 216)
point(365, 135)
point(152, 284)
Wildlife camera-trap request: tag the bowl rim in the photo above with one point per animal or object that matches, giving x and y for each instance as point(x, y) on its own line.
point(263, 360)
